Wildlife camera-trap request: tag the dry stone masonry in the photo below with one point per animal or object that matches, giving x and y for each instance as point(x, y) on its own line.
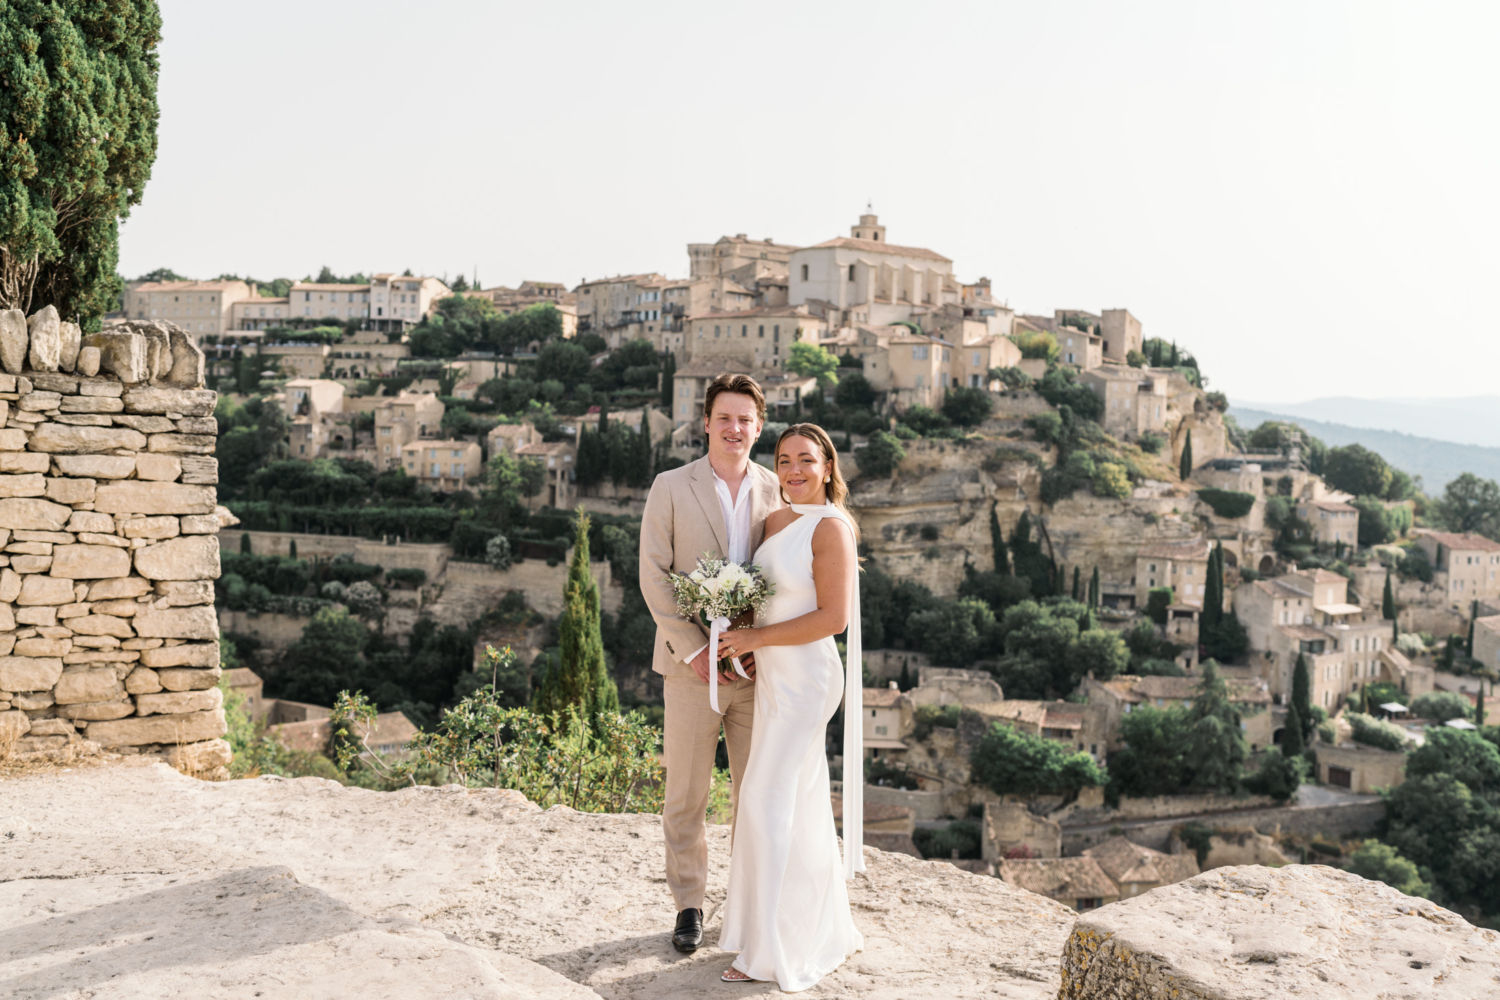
point(107, 540)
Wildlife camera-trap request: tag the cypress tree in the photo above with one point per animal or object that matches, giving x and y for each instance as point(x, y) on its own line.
point(1077, 585)
point(1479, 706)
point(1173, 362)
point(579, 676)
point(1215, 746)
point(1388, 600)
point(1213, 590)
point(904, 681)
point(997, 543)
point(1395, 632)
point(245, 542)
point(1473, 614)
point(1094, 594)
point(1185, 467)
point(1292, 744)
point(292, 548)
point(1302, 694)
point(668, 372)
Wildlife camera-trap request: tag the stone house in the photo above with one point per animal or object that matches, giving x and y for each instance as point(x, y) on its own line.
point(752, 340)
point(1084, 728)
point(402, 420)
point(444, 465)
point(690, 383)
point(1124, 693)
point(1010, 826)
point(1360, 768)
point(1467, 566)
point(865, 279)
point(388, 735)
point(197, 307)
point(311, 405)
point(1078, 883)
point(340, 303)
point(295, 359)
point(1307, 613)
point(259, 313)
point(1121, 333)
point(1135, 399)
point(557, 459)
point(740, 258)
point(509, 438)
point(1075, 347)
point(919, 369)
point(1135, 869)
point(978, 352)
point(1183, 566)
point(1332, 521)
point(1413, 679)
point(889, 716)
point(351, 359)
point(1487, 641)
point(247, 684)
point(946, 686)
point(400, 301)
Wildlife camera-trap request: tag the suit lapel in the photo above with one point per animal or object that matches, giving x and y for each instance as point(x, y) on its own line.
point(708, 498)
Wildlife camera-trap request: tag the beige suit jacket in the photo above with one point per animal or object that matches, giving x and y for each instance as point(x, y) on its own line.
point(683, 520)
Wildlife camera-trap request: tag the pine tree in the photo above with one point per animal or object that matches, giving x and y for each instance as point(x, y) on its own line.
point(1185, 467)
point(1292, 744)
point(579, 675)
point(1094, 595)
point(1302, 695)
point(997, 543)
point(668, 372)
point(1388, 600)
point(1077, 585)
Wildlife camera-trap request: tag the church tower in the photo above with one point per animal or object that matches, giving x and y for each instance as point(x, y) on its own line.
point(869, 227)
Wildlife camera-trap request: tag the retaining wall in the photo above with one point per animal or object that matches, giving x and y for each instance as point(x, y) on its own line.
point(1343, 819)
point(107, 518)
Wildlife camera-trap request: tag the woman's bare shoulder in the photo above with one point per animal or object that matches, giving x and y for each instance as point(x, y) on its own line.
point(778, 519)
point(832, 532)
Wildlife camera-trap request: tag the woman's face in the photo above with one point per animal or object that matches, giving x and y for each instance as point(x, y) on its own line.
point(801, 467)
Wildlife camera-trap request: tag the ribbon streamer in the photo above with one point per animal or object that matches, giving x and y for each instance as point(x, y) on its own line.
point(715, 627)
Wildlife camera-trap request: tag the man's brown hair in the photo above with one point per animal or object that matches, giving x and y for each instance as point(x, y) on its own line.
point(742, 384)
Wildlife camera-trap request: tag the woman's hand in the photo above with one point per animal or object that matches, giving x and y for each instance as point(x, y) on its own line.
point(739, 642)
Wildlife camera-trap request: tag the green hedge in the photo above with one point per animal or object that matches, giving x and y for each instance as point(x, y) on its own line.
point(1228, 503)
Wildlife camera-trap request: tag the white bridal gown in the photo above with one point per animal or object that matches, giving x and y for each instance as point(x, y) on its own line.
point(787, 911)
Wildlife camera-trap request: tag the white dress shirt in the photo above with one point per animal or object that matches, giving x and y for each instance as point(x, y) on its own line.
point(736, 511)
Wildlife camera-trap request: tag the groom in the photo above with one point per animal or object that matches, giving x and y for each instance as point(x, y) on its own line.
point(717, 504)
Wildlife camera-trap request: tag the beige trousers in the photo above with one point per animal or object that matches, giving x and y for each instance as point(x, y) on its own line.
point(690, 740)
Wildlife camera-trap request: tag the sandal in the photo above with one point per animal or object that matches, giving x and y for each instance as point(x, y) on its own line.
point(733, 975)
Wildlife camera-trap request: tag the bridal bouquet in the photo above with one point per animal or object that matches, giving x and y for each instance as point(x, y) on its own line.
point(721, 595)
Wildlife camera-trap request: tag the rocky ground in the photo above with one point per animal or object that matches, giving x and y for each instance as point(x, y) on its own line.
point(128, 879)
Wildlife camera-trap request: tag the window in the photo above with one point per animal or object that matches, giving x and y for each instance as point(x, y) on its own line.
point(744, 329)
point(975, 361)
point(762, 331)
point(716, 331)
point(851, 272)
point(919, 352)
point(776, 334)
point(458, 469)
point(434, 468)
point(804, 272)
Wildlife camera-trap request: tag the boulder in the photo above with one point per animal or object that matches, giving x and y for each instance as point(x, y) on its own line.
point(189, 654)
point(70, 439)
point(13, 340)
point(89, 562)
point(28, 514)
point(29, 673)
point(178, 623)
point(96, 467)
point(10, 585)
point(45, 329)
point(192, 727)
point(121, 353)
point(44, 590)
point(71, 344)
point(199, 757)
point(39, 401)
point(88, 361)
point(13, 724)
point(188, 679)
point(155, 399)
point(158, 348)
point(179, 702)
point(1254, 933)
point(187, 362)
point(191, 557)
point(89, 684)
point(137, 497)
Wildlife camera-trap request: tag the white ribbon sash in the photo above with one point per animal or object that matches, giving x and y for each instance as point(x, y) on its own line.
point(854, 700)
point(715, 627)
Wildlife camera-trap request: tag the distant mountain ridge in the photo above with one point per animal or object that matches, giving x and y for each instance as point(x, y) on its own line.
point(1469, 420)
point(1436, 461)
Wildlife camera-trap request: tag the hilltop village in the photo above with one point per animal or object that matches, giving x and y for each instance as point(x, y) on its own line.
point(1204, 644)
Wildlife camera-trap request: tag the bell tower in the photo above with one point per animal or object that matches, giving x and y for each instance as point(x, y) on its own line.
point(869, 227)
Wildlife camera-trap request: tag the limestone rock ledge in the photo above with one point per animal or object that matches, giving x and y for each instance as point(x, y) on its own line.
point(1255, 933)
point(129, 881)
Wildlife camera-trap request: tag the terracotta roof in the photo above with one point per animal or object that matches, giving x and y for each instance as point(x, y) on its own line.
point(1302, 632)
point(1059, 719)
point(333, 286)
point(800, 312)
point(1031, 712)
point(1334, 505)
point(549, 448)
point(1464, 542)
point(885, 697)
point(242, 677)
point(1320, 575)
point(701, 369)
point(185, 286)
point(1193, 551)
point(1124, 861)
point(1276, 588)
point(261, 300)
point(876, 246)
point(622, 278)
point(1060, 878)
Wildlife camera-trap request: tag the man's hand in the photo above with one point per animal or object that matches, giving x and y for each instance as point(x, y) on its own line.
point(748, 662)
point(703, 666)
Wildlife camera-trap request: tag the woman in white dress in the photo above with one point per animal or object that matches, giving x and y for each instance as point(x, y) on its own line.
point(787, 911)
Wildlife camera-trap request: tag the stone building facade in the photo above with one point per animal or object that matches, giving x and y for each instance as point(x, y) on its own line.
point(107, 518)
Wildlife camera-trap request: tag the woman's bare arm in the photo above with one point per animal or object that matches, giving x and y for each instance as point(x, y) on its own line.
point(833, 576)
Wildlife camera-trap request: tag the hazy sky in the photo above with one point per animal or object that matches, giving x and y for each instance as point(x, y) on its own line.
point(1304, 194)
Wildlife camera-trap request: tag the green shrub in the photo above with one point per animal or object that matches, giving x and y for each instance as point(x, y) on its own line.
point(1152, 444)
point(1278, 776)
point(1227, 503)
point(1440, 706)
point(1011, 762)
point(352, 572)
point(1375, 733)
point(882, 455)
point(408, 577)
point(929, 717)
point(961, 835)
point(880, 771)
point(1380, 863)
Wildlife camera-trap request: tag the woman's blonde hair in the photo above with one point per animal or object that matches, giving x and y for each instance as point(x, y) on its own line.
point(836, 489)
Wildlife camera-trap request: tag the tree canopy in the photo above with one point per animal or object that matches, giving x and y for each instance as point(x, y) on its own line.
point(78, 118)
point(1470, 504)
point(1011, 762)
point(812, 361)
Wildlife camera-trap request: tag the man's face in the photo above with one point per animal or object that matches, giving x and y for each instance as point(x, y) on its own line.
point(732, 426)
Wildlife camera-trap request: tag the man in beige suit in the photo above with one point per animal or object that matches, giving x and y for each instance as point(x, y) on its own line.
point(717, 504)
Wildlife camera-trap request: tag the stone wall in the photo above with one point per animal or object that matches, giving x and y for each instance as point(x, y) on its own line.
point(107, 518)
point(1337, 821)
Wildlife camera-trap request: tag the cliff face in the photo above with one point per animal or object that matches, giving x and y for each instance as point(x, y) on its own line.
point(308, 889)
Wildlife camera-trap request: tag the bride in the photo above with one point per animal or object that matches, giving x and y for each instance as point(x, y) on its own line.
point(787, 911)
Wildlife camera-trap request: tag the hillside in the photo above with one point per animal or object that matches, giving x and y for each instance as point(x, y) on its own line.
point(1467, 420)
point(1437, 462)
